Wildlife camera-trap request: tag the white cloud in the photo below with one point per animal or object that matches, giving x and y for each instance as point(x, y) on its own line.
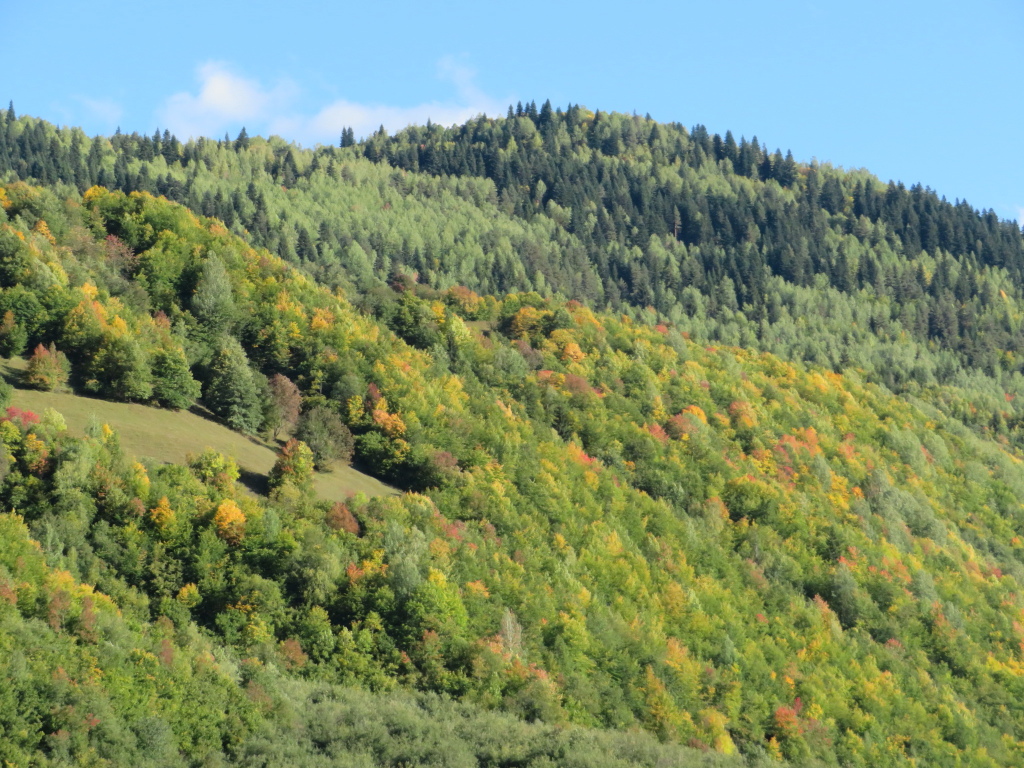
point(1020, 215)
point(227, 101)
point(106, 111)
point(365, 118)
point(464, 79)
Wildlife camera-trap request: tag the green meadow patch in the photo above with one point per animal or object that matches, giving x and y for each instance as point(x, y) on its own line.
point(169, 437)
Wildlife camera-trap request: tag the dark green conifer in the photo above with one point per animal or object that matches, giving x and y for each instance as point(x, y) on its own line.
point(232, 392)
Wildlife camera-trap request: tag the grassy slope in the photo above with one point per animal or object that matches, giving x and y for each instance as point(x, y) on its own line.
point(169, 436)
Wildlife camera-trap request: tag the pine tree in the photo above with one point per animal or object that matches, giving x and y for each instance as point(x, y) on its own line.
point(546, 114)
point(305, 248)
point(786, 171)
point(232, 392)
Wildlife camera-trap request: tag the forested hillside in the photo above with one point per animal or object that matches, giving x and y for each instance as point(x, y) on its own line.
point(709, 457)
point(728, 241)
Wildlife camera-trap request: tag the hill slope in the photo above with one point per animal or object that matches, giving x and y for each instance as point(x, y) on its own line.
point(162, 436)
point(728, 241)
point(607, 524)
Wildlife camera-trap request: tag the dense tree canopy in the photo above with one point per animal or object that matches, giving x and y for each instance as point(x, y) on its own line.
point(728, 241)
point(753, 493)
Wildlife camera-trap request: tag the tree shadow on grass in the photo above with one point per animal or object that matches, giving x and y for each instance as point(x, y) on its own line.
point(13, 376)
point(200, 410)
point(364, 467)
point(254, 481)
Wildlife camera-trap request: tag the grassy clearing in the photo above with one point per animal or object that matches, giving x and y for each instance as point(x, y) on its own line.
point(169, 436)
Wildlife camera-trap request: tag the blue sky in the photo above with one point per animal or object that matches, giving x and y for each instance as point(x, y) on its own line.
point(917, 91)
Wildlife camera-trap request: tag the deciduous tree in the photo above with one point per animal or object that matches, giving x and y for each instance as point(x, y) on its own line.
point(329, 439)
point(47, 368)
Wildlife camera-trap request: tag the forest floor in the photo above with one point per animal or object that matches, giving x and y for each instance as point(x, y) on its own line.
point(168, 437)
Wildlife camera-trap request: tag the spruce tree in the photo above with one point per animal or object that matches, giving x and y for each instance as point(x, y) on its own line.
point(305, 248)
point(232, 392)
